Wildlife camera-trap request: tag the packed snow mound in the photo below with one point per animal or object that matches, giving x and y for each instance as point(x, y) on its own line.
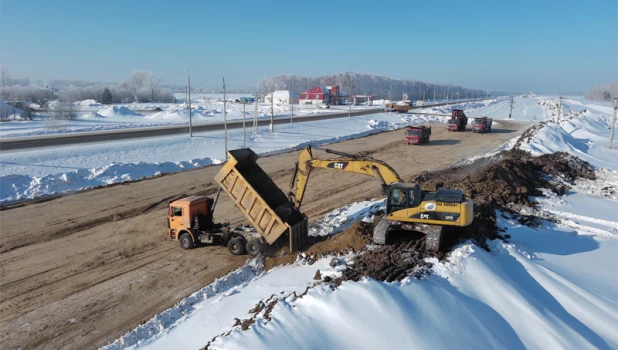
point(20, 187)
point(92, 115)
point(581, 134)
point(87, 103)
point(118, 111)
point(380, 125)
point(181, 112)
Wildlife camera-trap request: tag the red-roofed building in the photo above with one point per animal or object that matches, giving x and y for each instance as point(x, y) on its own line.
point(319, 95)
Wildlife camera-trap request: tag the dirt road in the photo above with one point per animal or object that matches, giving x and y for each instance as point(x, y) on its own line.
point(80, 270)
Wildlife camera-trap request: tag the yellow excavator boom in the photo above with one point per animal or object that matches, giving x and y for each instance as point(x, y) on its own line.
point(349, 163)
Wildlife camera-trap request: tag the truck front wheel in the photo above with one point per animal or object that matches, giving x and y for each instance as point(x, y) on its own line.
point(185, 241)
point(236, 246)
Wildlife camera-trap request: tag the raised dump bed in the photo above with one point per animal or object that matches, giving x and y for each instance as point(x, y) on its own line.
point(262, 202)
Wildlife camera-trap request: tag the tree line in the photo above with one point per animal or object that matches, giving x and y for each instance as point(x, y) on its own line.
point(379, 86)
point(604, 92)
point(140, 86)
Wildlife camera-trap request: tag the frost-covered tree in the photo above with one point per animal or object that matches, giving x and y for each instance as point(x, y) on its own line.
point(603, 92)
point(144, 85)
point(106, 97)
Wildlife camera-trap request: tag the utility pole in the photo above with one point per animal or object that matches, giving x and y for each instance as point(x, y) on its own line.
point(189, 91)
point(189, 99)
point(244, 127)
point(559, 108)
point(272, 111)
point(611, 134)
point(434, 94)
point(351, 101)
point(291, 94)
point(255, 117)
point(511, 104)
point(225, 116)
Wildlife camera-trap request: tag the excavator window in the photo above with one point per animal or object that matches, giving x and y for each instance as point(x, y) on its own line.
point(398, 197)
point(411, 199)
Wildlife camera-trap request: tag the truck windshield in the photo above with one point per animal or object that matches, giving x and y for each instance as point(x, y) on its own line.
point(452, 121)
point(478, 121)
point(412, 132)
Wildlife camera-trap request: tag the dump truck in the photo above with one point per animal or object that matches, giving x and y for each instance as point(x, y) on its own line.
point(266, 207)
point(418, 135)
point(394, 107)
point(482, 124)
point(458, 121)
point(408, 208)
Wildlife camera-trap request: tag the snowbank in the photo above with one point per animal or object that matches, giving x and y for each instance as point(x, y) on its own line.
point(181, 112)
point(583, 134)
point(19, 187)
point(118, 111)
point(87, 103)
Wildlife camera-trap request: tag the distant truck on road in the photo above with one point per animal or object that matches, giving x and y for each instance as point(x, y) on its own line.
point(458, 121)
point(394, 107)
point(418, 135)
point(482, 125)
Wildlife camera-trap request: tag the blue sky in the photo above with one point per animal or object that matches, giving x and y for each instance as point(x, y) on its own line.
point(544, 46)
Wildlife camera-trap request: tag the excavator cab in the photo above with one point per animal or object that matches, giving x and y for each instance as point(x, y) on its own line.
point(402, 196)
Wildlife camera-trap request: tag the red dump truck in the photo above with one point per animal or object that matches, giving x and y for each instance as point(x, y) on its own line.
point(418, 135)
point(458, 121)
point(482, 125)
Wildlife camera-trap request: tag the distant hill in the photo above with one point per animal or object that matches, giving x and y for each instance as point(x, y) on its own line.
point(365, 83)
point(603, 92)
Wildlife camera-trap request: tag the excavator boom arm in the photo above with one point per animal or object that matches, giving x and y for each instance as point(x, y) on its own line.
point(349, 163)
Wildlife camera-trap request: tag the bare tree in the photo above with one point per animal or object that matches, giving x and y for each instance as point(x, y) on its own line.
point(4, 76)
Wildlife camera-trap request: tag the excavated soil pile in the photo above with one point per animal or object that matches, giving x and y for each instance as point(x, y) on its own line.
point(392, 262)
point(500, 182)
point(352, 239)
point(505, 182)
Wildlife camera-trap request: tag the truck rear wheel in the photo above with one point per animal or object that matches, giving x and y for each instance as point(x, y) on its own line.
point(185, 241)
point(236, 246)
point(254, 247)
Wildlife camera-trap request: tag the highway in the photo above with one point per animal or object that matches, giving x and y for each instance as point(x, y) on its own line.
point(12, 144)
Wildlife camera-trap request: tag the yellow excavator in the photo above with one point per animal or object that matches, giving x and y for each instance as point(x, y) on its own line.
point(407, 207)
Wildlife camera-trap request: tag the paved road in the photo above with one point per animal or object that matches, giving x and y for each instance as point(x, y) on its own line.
point(11, 144)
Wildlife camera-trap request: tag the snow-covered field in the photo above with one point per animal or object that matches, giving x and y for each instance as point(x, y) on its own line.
point(205, 108)
point(550, 287)
point(39, 172)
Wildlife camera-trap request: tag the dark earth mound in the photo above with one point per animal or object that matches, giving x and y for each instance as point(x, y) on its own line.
point(498, 182)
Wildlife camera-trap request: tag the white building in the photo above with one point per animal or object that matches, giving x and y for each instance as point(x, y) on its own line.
point(281, 97)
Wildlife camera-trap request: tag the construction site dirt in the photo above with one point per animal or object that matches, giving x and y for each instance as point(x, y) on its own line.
point(80, 270)
point(502, 182)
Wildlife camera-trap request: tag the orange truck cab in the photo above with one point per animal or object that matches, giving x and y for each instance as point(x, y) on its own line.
point(190, 221)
